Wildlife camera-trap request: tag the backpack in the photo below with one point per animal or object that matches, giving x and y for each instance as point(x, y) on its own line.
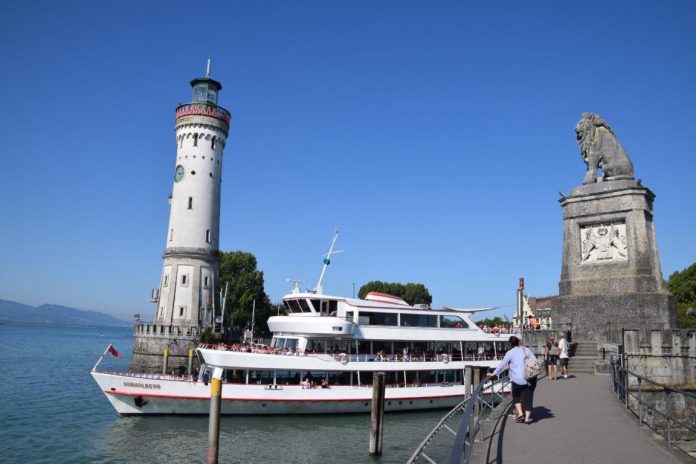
point(531, 367)
point(553, 351)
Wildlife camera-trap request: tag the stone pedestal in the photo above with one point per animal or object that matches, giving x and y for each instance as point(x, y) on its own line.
point(611, 277)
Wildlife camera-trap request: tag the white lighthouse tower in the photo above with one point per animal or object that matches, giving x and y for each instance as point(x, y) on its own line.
point(189, 282)
point(186, 300)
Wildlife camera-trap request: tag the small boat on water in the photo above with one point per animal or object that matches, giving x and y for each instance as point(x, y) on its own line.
point(321, 360)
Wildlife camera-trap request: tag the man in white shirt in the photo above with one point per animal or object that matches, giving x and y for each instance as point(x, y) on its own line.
point(563, 354)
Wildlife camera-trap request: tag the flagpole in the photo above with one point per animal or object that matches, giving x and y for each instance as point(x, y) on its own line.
point(101, 357)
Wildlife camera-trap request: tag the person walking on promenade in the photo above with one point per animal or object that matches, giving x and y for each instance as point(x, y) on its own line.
point(551, 358)
point(514, 362)
point(563, 354)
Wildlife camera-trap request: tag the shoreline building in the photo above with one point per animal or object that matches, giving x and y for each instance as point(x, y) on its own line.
point(187, 300)
point(539, 308)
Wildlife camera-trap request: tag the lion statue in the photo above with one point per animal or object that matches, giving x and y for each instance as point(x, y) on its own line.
point(600, 150)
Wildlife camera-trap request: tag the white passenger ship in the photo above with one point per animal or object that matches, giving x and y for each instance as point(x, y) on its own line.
point(321, 360)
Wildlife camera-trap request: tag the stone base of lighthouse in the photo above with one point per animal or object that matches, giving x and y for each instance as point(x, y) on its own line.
point(150, 341)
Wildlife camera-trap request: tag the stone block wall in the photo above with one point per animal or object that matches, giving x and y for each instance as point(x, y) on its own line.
point(665, 356)
point(150, 341)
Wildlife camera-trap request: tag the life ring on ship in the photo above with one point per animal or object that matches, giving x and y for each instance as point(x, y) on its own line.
point(343, 358)
point(445, 358)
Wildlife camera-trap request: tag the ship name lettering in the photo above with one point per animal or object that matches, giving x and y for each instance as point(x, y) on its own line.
point(142, 385)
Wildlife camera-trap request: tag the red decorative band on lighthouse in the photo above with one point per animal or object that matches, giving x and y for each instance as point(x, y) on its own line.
point(192, 109)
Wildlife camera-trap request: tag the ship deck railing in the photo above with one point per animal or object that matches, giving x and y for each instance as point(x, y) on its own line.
point(177, 377)
point(366, 357)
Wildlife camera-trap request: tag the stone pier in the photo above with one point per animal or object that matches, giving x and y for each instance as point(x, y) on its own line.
point(150, 341)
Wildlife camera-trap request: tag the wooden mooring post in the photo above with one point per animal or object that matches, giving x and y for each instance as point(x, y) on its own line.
point(165, 361)
point(468, 376)
point(190, 363)
point(214, 421)
point(377, 416)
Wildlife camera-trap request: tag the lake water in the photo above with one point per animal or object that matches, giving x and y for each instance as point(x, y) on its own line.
point(53, 412)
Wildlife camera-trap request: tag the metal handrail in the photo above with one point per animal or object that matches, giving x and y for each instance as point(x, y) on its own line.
point(620, 386)
point(661, 385)
point(474, 407)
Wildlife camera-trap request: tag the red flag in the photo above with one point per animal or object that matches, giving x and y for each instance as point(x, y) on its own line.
point(113, 351)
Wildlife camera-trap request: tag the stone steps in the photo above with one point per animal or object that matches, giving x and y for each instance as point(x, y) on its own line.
point(584, 357)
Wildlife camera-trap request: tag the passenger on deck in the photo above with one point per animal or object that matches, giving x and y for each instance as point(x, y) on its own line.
point(325, 383)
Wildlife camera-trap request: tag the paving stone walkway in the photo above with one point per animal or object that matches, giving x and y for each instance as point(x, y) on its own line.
point(577, 421)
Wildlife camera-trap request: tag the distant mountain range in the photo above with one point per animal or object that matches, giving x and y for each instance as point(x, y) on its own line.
point(11, 311)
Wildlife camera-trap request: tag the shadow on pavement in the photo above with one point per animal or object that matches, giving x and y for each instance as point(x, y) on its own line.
point(540, 413)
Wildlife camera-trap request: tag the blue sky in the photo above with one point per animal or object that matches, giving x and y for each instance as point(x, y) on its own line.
point(435, 135)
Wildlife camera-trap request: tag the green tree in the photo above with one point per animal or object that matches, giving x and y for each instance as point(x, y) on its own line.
point(411, 293)
point(492, 322)
point(682, 285)
point(238, 269)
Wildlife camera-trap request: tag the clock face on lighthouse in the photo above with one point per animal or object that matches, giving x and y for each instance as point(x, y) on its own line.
point(179, 173)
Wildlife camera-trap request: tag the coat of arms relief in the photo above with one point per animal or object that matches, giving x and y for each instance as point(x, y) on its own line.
point(603, 242)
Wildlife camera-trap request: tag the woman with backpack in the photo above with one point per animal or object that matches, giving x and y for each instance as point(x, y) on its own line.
point(551, 358)
point(520, 362)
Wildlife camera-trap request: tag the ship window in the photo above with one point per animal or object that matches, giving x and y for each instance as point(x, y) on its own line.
point(316, 304)
point(287, 306)
point(455, 322)
point(325, 305)
point(418, 320)
point(305, 306)
point(317, 346)
point(294, 306)
point(333, 306)
point(349, 316)
point(370, 318)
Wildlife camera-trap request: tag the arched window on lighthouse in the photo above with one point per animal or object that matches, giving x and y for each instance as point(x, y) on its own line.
point(195, 140)
point(207, 236)
point(190, 203)
point(212, 143)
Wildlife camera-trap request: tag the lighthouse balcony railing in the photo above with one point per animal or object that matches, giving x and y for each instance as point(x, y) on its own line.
point(166, 329)
point(203, 109)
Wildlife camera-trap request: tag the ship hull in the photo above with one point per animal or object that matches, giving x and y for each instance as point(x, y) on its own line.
point(138, 395)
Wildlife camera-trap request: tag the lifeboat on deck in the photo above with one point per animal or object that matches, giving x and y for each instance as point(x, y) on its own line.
point(385, 298)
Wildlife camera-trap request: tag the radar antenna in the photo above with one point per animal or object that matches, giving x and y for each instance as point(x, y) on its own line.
point(327, 261)
point(295, 285)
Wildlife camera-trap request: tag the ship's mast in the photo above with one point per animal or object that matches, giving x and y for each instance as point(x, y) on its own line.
point(327, 261)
